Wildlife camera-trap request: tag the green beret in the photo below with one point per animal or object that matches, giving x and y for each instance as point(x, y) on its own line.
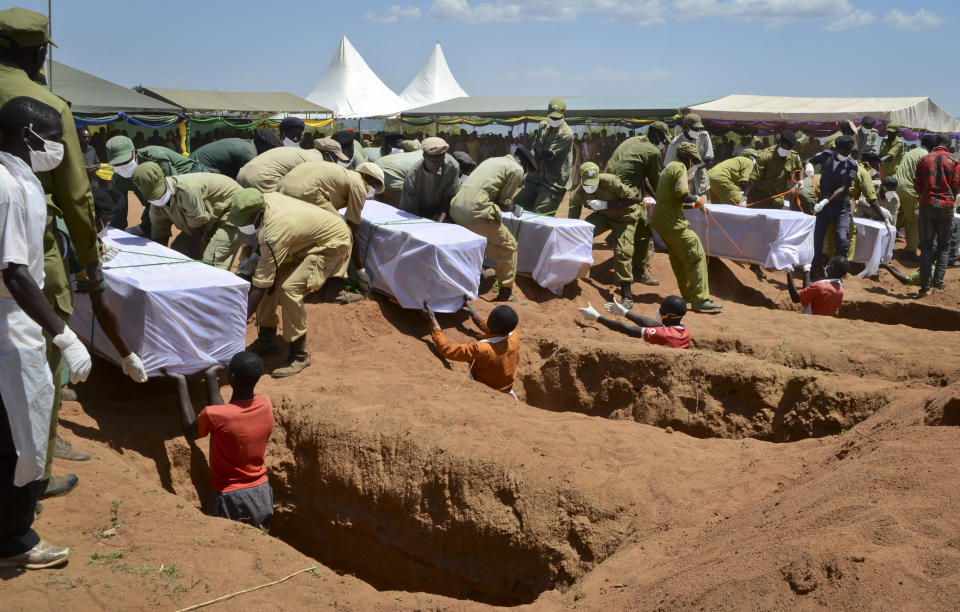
point(22, 28)
point(243, 205)
point(149, 179)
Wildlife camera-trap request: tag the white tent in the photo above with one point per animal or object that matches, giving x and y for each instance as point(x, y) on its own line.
point(915, 113)
point(352, 90)
point(434, 83)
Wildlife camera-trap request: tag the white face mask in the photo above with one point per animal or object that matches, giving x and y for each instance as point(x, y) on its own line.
point(290, 143)
point(783, 152)
point(843, 158)
point(873, 172)
point(126, 170)
point(162, 200)
point(49, 158)
point(590, 188)
point(249, 229)
point(554, 123)
point(343, 164)
point(890, 195)
point(371, 192)
point(693, 134)
point(394, 151)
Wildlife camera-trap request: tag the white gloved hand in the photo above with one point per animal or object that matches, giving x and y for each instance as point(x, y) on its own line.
point(701, 202)
point(589, 312)
point(887, 217)
point(133, 367)
point(597, 204)
point(517, 211)
point(616, 308)
point(786, 203)
point(248, 265)
point(363, 280)
point(820, 205)
point(109, 253)
point(808, 169)
point(742, 203)
point(650, 201)
point(75, 354)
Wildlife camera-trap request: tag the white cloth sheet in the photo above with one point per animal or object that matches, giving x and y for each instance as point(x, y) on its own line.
point(417, 260)
point(554, 252)
point(184, 317)
point(874, 244)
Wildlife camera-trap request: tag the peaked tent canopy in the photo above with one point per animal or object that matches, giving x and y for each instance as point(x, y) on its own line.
point(916, 113)
point(434, 83)
point(243, 102)
point(352, 90)
point(91, 95)
point(581, 107)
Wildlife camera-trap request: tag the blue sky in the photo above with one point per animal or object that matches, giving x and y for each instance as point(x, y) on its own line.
point(707, 48)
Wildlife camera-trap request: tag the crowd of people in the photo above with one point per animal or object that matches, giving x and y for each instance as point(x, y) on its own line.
point(267, 207)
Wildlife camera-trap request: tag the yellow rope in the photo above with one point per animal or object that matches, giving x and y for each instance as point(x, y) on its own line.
point(262, 586)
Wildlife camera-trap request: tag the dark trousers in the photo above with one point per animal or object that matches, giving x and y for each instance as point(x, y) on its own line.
point(17, 504)
point(837, 213)
point(936, 228)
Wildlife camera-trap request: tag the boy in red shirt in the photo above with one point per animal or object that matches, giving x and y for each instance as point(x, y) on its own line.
point(665, 330)
point(823, 297)
point(239, 432)
point(495, 357)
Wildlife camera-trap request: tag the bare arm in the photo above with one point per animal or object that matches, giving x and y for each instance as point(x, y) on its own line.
point(620, 326)
point(28, 296)
point(794, 296)
point(641, 320)
point(107, 317)
point(254, 296)
point(188, 416)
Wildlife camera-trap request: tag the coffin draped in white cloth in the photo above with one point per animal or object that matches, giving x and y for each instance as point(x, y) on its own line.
point(874, 244)
point(184, 317)
point(554, 252)
point(416, 260)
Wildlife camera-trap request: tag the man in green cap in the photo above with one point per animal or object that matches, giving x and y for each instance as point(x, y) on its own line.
point(636, 162)
point(124, 157)
point(23, 48)
point(301, 247)
point(228, 155)
point(909, 199)
point(226, 238)
point(892, 149)
point(694, 132)
point(729, 177)
point(616, 208)
point(777, 168)
point(193, 203)
point(687, 258)
point(545, 186)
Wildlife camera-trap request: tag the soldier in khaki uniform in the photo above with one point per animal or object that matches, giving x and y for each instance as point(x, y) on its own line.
point(226, 238)
point(892, 149)
point(329, 186)
point(616, 208)
point(478, 205)
point(301, 247)
point(265, 171)
point(23, 49)
point(545, 186)
point(193, 203)
point(728, 178)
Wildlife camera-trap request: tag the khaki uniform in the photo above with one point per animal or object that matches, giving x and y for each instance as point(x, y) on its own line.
point(895, 148)
point(636, 161)
point(68, 196)
point(427, 194)
point(264, 171)
point(395, 169)
point(772, 175)
point(726, 178)
point(301, 246)
point(909, 199)
point(197, 203)
point(700, 181)
point(327, 185)
point(477, 207)
point(621, 221)
point(544, 187)
point(687, 258)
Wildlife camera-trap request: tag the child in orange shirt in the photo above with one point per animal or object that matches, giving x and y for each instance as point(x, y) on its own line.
point(495, 357)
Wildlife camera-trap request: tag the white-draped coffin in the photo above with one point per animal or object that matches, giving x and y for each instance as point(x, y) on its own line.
point(184, 317)
point(554, 252)
point(416, 260)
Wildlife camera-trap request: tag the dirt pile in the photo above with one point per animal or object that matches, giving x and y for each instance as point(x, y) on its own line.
point(943, 408)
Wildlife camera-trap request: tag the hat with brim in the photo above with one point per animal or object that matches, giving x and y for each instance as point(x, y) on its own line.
point(375, 172)
point(556, 108)
point(893, 126)
point(149, 179)
point(590, 174)
point(692, 121)
point(106, 201)
point(749, 153)
point(435, 146)
point(659, 126)
point(688, 150)
point(243, 205)
point(119, 150)
point(329, 145)
point(21, 28)
point(524, 153)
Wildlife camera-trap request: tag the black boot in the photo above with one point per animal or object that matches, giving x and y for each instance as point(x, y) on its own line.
point(506, 295)
point(626, 295)
point(297, 360)
point(266, 342)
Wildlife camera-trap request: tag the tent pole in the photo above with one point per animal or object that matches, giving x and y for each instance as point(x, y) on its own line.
point(50, 47)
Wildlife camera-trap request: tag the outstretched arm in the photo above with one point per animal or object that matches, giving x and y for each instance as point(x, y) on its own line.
point(188, 416)
point(794, 296)
point(620, 326)
point(641, 320)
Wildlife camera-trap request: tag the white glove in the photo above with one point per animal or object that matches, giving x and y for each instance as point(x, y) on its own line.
point(786, 203)
point(820, 205)
point(109, 253)
point(133, 367)
point(808, 169)
point(248, 265)
point(75, 354)
point(616, 308)
point(517, 211)
point(589, 312)
point(363, 280)
point(597, 204)
point(742, 203)
point(887, 217)
point(649, 200)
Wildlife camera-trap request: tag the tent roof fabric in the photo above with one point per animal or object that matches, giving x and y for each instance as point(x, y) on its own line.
point(200, 101)
point(91, 95)
point(352, 90)
point(579, 106)
point(434, 83)
point(917, 113)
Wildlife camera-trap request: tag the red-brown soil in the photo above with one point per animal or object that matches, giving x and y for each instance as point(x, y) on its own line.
point(782, 462)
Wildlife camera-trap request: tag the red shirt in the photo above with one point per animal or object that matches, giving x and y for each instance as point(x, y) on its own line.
point(822, 297)
point(239, 432)
point(937, 178)
point(674, 336)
